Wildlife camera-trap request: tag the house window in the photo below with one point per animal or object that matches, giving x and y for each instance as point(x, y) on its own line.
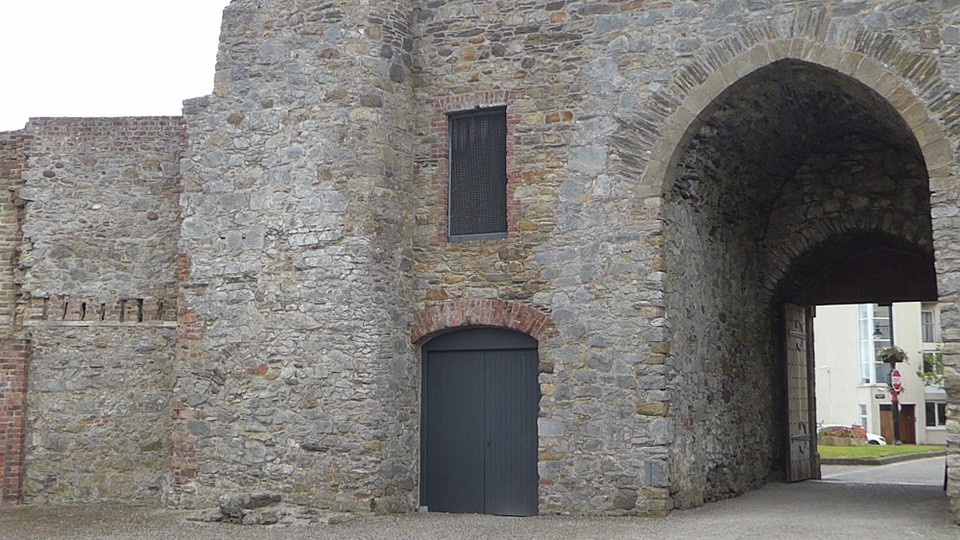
point(477, 206)
point(936, 414)
point(928, 328)
point(863, 415)
point(873, 324)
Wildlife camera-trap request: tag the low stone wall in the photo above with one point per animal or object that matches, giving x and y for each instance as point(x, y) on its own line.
point(99, 414)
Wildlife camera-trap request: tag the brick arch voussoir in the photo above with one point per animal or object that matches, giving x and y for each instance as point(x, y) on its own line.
point(454, 314)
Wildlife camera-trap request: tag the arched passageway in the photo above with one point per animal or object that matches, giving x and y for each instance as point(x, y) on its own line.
point(793, 190)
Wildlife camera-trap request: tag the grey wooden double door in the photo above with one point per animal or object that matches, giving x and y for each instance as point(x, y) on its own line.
point(479, 423)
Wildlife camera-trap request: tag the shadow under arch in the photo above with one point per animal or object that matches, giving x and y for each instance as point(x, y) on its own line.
point(861, 267)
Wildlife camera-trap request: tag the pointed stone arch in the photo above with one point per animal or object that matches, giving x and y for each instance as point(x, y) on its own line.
point(910, 82)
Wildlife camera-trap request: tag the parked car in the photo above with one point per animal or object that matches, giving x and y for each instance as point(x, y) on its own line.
point(838, 430)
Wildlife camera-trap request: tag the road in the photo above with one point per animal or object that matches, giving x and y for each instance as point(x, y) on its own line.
point(921, 472)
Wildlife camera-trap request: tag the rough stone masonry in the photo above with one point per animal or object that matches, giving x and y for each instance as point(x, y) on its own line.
point(234, 300)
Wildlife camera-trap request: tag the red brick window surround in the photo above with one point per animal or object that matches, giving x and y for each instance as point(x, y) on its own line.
point(450, 106)
point(477, 208)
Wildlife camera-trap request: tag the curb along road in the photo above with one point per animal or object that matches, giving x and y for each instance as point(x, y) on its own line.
point(880, 461)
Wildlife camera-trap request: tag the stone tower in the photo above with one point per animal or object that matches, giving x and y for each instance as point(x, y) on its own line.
point(295, 372)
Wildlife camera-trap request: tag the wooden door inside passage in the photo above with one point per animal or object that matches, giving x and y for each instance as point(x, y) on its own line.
point(479, 423)
point(800, 439)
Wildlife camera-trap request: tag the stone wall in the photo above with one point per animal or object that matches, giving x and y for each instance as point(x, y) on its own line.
point(297, 376)
point(102, 218)
point(669, 163)
point(606, 98)
point(99, 414)
point(97, 301)
point(726, 344)
point(860, 191)
point(580, 248)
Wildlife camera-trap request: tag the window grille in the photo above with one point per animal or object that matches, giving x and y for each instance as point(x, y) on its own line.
point(477, 207)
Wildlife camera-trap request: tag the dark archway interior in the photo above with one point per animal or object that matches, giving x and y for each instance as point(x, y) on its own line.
point(770, 122)
point(866, 268)
point(804, 185)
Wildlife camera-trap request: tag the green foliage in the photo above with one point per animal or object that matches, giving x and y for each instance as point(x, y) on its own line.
point(931, 370)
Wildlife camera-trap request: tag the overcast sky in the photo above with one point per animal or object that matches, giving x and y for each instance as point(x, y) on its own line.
point(104, 57)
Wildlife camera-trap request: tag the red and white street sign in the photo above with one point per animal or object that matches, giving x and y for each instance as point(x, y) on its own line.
point(896, 380)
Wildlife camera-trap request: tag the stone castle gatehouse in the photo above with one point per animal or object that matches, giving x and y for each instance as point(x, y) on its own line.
point(488, 256)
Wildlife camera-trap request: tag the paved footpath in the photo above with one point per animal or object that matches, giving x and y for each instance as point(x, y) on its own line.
point(777, 511)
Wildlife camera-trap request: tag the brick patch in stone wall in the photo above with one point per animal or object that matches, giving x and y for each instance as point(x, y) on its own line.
point(183, 444)
point(13, 393)
point(13, 160)
point(183, 463)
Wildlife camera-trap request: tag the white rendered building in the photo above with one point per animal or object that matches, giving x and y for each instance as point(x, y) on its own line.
point(852, 388)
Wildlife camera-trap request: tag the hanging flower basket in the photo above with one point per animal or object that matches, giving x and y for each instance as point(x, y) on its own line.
point(891, 354)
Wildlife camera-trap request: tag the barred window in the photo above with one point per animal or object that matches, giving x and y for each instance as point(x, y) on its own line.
point(477, 207)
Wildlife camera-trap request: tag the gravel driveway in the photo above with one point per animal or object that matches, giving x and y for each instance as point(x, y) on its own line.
point(779, 511)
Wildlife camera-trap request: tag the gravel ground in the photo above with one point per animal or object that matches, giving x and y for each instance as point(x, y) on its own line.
point(780, 511)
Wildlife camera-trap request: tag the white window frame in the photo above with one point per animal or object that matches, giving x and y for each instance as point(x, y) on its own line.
point(868, 342)
point(939, 421)
point(929, 324)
